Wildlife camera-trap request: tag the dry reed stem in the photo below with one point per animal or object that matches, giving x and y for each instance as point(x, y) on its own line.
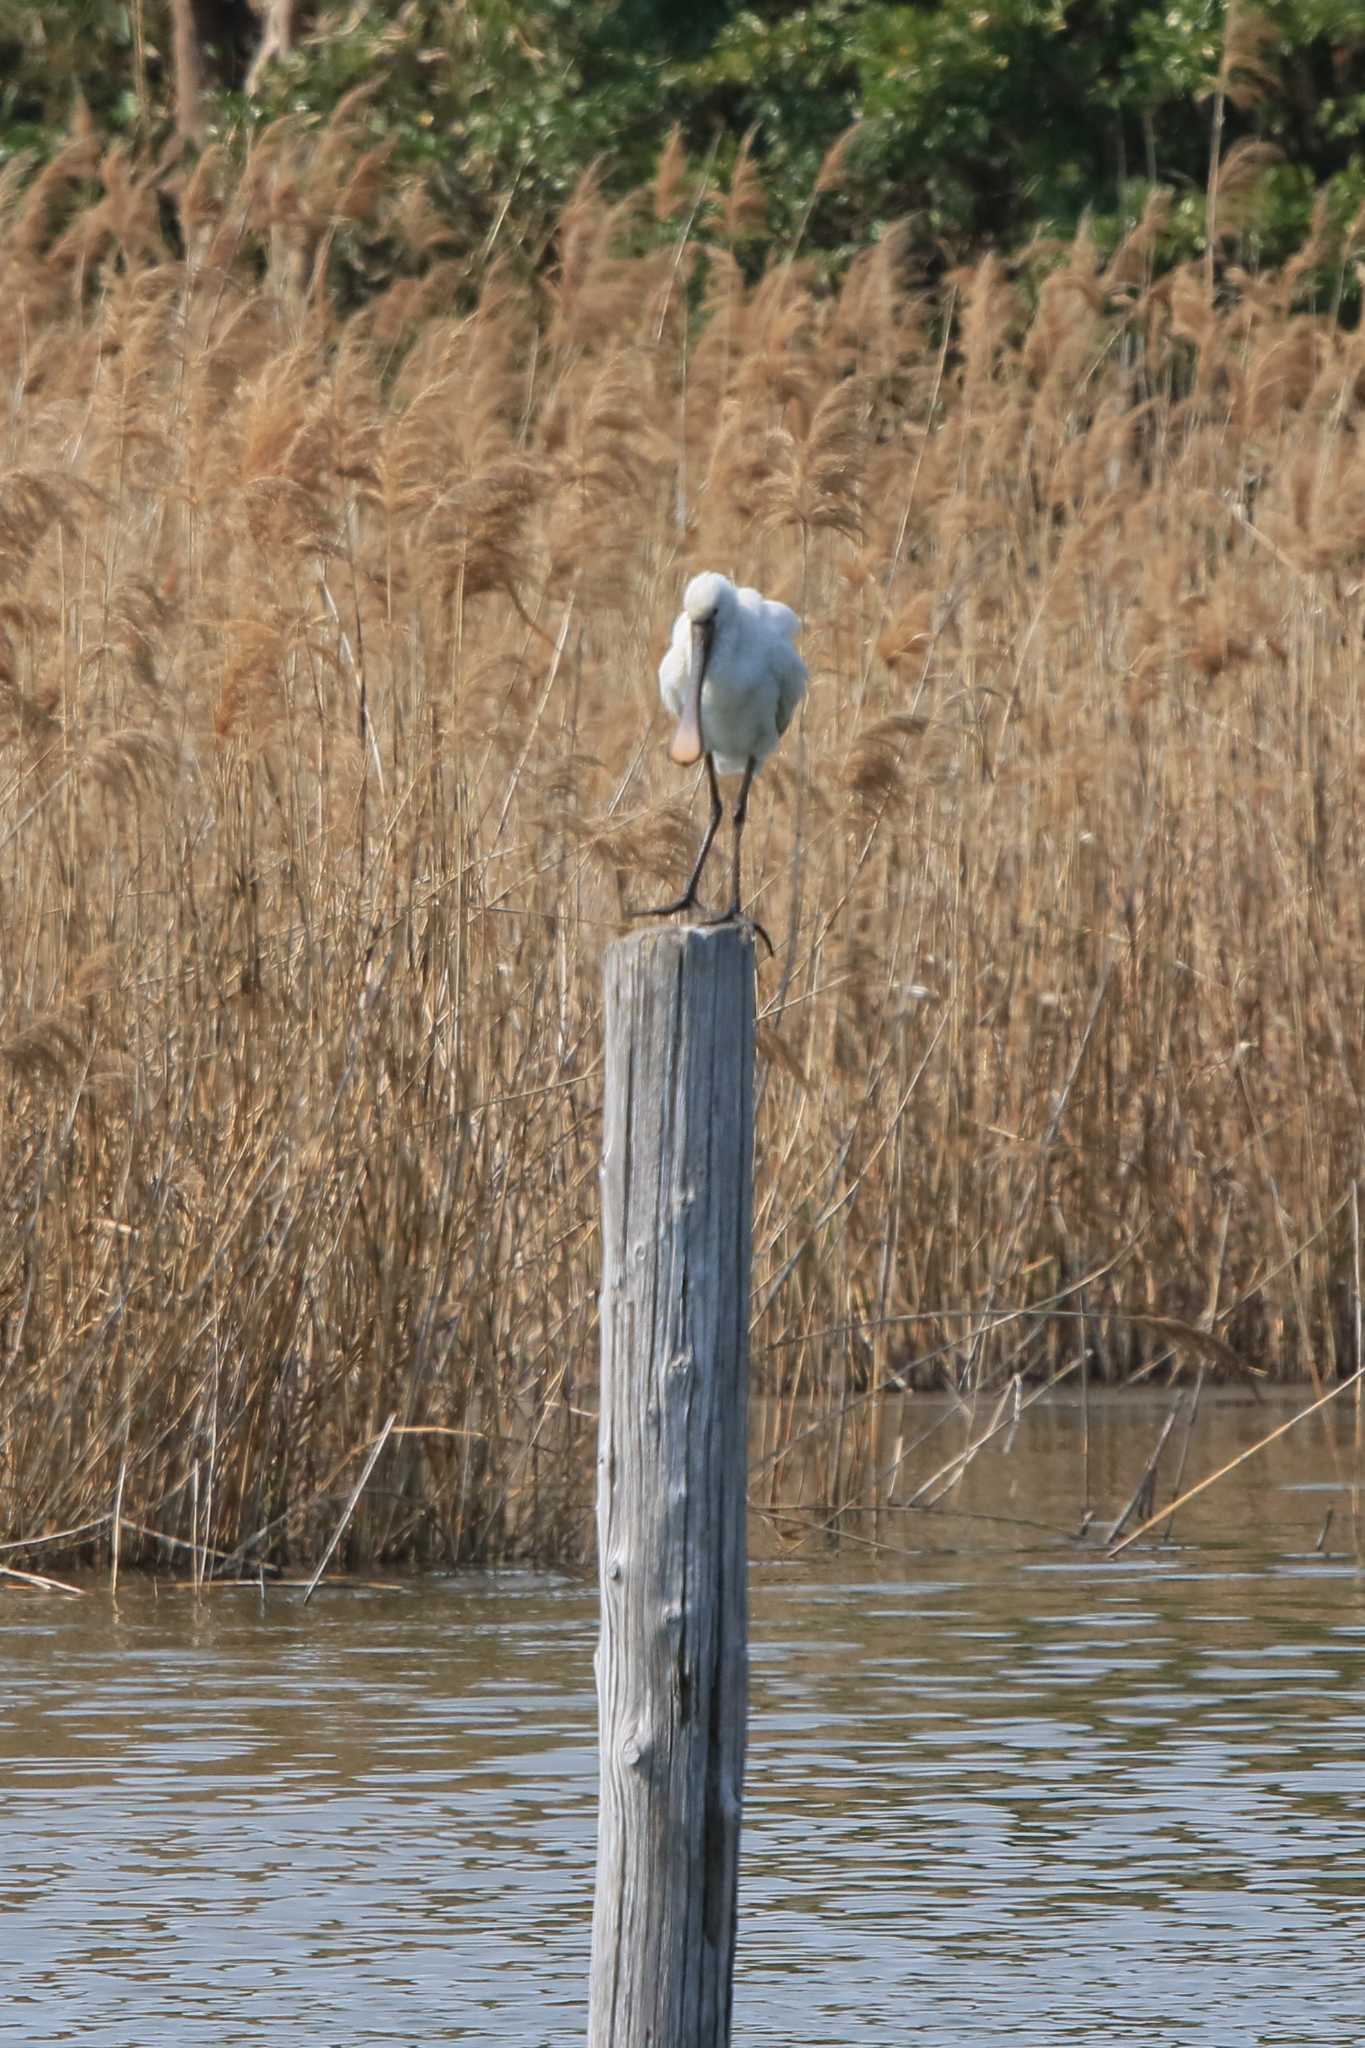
point(327, 761)
point(1165, 1514)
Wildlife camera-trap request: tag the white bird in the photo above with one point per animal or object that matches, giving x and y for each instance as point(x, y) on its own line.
point(733, 679)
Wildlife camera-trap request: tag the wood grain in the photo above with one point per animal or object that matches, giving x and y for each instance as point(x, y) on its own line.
point(672, 1663)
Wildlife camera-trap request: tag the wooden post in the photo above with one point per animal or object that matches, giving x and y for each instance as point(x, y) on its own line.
point(672, 1663)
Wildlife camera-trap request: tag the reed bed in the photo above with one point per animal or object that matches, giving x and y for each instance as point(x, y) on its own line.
point(331, 760)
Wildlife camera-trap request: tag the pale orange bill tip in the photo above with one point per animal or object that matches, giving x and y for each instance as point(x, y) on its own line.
point(686, 745)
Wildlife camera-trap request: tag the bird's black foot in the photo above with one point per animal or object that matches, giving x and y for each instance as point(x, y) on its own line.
point(734, 915)
point(661, 909)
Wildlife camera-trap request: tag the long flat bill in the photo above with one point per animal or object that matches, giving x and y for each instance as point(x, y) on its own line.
point(686, 747)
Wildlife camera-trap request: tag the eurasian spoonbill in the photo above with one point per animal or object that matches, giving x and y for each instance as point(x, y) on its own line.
point(733, 679)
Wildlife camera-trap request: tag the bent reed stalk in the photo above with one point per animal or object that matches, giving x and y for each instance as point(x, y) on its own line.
point(331, 754)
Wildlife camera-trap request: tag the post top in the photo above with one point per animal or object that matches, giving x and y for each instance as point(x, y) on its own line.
point(678, 937)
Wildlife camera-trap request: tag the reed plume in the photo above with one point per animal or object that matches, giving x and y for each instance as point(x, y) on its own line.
point(327, 761)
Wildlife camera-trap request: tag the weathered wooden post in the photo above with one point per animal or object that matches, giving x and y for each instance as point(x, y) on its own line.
point(672, 1663)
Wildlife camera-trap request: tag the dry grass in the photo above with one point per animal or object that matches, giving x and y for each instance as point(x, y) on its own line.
point(331, 752)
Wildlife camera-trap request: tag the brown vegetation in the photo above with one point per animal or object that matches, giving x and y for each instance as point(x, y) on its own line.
point(330, 754)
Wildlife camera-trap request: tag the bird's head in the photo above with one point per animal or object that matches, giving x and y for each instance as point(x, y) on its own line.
point(708, 596)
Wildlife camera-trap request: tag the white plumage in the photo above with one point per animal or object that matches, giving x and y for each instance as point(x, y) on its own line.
point(732, 678)
point(754, 678)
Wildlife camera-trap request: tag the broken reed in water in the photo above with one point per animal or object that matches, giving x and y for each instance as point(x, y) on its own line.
point(331, 755)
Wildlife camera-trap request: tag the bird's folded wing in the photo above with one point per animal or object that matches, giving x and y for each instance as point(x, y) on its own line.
point(791, 682)
point(779, 618)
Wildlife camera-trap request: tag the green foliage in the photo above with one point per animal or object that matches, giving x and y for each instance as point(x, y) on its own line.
point(980, 120)
point(54, 57)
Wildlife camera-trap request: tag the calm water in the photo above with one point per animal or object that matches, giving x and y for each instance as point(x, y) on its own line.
point(1026, 1797)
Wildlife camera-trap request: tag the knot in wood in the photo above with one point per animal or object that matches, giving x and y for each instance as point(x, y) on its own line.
point(636, 1752)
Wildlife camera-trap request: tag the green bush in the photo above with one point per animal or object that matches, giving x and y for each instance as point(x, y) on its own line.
point(980, 123)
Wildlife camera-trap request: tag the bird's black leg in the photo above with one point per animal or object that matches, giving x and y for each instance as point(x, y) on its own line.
point(735, 915)
point(689, 894)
